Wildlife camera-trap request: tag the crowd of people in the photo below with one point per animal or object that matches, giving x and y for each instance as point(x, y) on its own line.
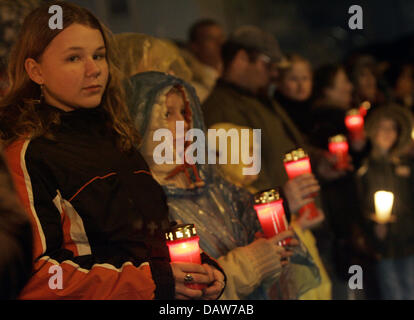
point(79, 112)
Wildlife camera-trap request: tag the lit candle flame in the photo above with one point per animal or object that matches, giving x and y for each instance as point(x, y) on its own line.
point(383, 205)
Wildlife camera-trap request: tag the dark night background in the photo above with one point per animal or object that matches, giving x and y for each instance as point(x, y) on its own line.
point(316, 29)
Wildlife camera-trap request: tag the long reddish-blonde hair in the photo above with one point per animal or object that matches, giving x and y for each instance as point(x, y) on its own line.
point(19, 117)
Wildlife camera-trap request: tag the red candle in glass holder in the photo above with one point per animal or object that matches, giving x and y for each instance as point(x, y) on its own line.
point(354, 121)
point(297, 163)
point(339, 147)
point(182, 242)
point(271, 214)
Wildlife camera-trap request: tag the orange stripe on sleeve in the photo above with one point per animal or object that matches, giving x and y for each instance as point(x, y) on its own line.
point(102, 282)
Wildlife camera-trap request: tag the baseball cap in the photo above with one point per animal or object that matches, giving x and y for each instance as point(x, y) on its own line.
point(255, 38)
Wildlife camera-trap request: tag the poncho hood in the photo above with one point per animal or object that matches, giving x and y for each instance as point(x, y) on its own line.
point(146, 100)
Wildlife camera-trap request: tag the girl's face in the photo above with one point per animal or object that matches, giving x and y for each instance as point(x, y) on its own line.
point(386, 135)
point(297, 83)
point(73, 68)
point(340, 93)
point(175, 112)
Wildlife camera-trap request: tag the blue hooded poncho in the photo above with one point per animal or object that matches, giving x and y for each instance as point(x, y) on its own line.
point(222, 212)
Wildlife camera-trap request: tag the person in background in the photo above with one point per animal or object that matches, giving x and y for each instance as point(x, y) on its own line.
point(332, 98)
point(96, 211)
point(399, 78)
point(141, 53)
point(362, 71)
point(237, 98)
point(203, 55)
point(12, 14)
point(294, 90)
point(16, 243)
point(388, 168)
point(222, 212)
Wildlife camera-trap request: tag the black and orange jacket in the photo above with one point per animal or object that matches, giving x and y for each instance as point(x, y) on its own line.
point(15, 239)
point(96, 212)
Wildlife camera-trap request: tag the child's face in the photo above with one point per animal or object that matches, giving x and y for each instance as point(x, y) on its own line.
point(386, 135)
point(175, 112)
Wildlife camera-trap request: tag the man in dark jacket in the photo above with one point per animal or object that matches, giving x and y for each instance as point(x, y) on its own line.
point(15, 239)
point(247, 57)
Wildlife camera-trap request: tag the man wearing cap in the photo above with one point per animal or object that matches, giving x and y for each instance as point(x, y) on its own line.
point(239, 97)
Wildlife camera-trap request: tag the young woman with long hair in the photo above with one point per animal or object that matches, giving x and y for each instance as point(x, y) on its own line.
point(98, 216)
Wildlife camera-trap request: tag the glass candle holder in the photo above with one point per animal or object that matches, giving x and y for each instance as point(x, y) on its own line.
point(271, 214)
point(297, 163)
point(384, 201)
point(354, 122)
point(183, 245)
point(338, 146)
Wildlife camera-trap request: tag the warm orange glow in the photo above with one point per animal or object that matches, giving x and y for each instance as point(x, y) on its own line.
point(186, 250)
point(340, 149)
point(354, 122)
point(355, 125)
point(297, 168)
point(384, 201)
point(272, 218)
point(310, 209)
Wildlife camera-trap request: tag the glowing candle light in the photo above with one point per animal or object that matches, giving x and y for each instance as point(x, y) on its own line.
point(363, 109)
point(339, 147)
point(384, 201)
point(182, 242)
point(271, 214)
point(296, 164)
point(354, 121)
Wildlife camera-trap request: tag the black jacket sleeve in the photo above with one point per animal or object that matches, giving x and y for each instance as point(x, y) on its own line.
point(15, 239)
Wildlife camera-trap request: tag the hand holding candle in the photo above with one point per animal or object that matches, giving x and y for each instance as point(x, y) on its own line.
point(338, 146)
point(364, 107)
point(300, 191)
point(182, 242)
point(354, 122)
point(297, 163)
point(271, 214)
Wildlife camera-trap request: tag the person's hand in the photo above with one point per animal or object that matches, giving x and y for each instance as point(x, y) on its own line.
point(259, 235)
point(305, 222)
point(284, 252)
point(299, 191)
point(199, 275)
point(213, 291)
point(326, 167)
point(359, 144)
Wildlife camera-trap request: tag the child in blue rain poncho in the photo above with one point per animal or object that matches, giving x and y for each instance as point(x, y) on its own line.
point(222, 213)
